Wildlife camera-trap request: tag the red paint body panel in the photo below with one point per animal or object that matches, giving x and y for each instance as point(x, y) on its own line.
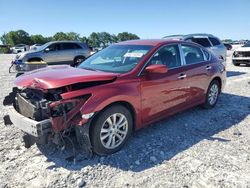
point(152, 97)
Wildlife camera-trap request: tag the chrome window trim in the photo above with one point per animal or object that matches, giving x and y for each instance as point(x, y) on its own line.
point(172, 44)
point(183, 60)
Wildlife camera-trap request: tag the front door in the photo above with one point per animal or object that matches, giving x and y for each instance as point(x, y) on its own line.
point(163, 93)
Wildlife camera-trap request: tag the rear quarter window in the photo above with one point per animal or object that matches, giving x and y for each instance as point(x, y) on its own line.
point(192, 54)
point(202, 41)
point(207, 55)
point(214, 41)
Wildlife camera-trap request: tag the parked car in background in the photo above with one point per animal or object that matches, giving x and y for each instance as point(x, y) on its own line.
point(19, 48)
point(208, 41)
point(117, 90)
point(242, 55)
point(228, 46)
point(35, 46)
point(53, 53)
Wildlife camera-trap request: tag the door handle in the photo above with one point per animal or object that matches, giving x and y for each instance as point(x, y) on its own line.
point(208, 67)
point(182, 76)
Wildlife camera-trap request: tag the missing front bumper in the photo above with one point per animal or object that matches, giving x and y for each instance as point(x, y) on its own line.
point(27, 125)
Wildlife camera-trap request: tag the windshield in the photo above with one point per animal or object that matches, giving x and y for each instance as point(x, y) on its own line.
point(42, 47)
point(116, 58)
point(247, 44)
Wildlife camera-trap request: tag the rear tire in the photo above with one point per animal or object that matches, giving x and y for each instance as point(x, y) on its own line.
point(212, 95)
point(111, 130)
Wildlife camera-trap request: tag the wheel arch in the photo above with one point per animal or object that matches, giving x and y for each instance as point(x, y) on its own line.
point(218, 79)
point(123, 103)
point(78, 57)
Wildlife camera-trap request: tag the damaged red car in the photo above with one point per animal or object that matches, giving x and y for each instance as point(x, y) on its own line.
point(114, 92)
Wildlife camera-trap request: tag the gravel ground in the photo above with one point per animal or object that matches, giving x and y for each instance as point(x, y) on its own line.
point(195, 148)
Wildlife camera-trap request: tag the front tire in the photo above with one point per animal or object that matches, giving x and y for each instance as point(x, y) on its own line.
point(212, 95)
point(111, 130)
point(78, 61)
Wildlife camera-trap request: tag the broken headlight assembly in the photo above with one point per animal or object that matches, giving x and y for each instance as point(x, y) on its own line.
point(62, 109)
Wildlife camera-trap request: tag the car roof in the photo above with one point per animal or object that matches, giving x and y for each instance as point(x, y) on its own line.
point(189, 35)
point(66, 41)
point(149, 42)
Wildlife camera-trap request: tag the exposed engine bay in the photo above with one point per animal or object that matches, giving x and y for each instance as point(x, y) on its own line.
point(63, 117)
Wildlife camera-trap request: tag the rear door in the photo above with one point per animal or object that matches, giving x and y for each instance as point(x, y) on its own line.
point(68, 52)
point(199, 71)
point(163, 93)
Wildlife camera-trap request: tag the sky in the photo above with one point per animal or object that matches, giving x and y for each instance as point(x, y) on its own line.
point(146, 18)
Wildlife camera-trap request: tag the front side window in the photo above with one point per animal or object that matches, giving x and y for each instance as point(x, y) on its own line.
point(214, 41)
point(168, 55)
point(116, 58)
point(192, 54)
point(54, 47)
point(202, 41)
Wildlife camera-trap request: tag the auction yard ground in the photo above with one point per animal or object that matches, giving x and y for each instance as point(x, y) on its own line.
point(195, 148)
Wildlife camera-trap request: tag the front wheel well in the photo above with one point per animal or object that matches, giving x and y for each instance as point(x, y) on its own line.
point(218, 79)
point(126, 105)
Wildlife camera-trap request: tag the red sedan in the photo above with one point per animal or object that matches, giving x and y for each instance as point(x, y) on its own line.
point(114, 92)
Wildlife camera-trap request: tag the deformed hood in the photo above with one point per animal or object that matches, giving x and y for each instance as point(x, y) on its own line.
point(59, 76)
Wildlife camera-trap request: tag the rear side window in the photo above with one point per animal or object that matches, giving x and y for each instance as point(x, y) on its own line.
point(214, 41)
point(68, 46)
point(202, 41)
point(192, 54)
point(167, 55)
point(207, 55)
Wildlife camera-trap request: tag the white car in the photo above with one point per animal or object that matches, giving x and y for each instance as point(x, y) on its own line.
point(35, 46)
point(242, 55)
point(19, 48)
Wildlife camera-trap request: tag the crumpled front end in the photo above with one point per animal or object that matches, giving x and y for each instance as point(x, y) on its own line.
point(44, 116)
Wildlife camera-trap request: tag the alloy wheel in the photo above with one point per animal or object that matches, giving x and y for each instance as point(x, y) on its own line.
point(213, 94)
point(114, 131)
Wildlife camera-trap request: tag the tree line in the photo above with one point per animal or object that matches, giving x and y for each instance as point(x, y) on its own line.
point(95, 39)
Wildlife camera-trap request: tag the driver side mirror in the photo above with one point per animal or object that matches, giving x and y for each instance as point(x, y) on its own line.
point(154, 69)
point(46, 50)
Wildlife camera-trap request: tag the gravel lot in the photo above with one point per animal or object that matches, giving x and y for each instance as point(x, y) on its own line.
point(195, 148)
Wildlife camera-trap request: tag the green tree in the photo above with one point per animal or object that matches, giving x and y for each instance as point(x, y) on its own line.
point(126, 36)
point(16, 37)
point(38, 39)
point(73, 36)
point(105, 39)
point(60, 36)
point(94, 40)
